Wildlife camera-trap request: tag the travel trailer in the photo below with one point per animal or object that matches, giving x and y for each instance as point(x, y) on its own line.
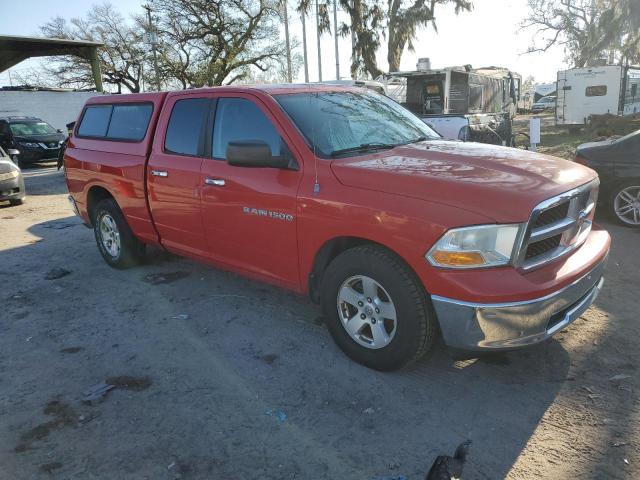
point(462, 102)
point(583, 92)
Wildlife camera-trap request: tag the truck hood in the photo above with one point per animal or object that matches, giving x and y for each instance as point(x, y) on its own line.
point(498, 182)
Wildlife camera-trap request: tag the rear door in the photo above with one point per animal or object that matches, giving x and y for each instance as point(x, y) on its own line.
point(173, 174)
point(249, 214)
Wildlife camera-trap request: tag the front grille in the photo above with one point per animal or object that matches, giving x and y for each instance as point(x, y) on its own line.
point(557, 226)
point(543, 246)
point(551, 215)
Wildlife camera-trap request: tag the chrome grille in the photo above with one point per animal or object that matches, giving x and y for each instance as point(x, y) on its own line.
point(557, 226)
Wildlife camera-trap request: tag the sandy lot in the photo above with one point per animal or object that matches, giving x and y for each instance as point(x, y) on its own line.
point(236, 380)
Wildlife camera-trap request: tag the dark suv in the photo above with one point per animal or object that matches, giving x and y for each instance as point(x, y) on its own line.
point(36, 140)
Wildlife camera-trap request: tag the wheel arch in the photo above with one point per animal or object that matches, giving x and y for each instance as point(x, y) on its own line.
point(333, 247)
point(95, 195)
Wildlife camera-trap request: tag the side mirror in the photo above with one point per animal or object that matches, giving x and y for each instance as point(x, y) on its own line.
point(254, 153)
point(12, 151)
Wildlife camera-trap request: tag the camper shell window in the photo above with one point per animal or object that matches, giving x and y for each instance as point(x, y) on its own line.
point(596, 91)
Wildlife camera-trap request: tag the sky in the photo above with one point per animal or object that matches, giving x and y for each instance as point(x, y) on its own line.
point(490, 35)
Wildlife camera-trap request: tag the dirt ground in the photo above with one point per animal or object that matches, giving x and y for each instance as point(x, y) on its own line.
point(219, 377)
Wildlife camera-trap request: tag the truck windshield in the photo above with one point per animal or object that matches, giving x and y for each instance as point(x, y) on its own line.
point(341, 123)
point(31, 128)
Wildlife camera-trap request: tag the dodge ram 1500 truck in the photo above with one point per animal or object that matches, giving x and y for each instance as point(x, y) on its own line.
point(343, 194)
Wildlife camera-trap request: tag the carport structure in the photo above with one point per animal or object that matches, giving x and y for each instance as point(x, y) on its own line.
point(15, 49)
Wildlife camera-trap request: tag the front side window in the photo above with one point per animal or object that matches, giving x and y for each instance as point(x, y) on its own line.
point(186, 125)
point(333, 122)
point(596, 91)
point(31, 128)
point(238, 120)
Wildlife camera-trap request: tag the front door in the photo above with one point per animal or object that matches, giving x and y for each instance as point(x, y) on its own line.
point(174, 177)
point(249, 214)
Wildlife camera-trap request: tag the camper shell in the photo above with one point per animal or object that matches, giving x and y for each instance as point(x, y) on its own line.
point(587, 91)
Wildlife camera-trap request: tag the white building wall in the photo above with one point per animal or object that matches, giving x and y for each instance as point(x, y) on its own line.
point(55, 108)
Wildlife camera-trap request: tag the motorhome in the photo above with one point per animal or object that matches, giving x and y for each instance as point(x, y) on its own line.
point(583, 92)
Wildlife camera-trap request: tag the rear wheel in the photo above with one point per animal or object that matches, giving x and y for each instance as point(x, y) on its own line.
point(17, 201)
point(116, 242)
point(625, 203)
point(376, 308)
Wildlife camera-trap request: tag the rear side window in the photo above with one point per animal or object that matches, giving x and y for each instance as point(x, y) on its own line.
point(95, 121)
point(596, 91)
point(129, 122)
point(186, 126)
point(124, 121)
point(238, 119)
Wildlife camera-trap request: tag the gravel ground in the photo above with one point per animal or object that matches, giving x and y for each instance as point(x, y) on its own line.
point(221, 377)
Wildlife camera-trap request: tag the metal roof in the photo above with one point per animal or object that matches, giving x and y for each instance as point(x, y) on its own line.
point(15, 49)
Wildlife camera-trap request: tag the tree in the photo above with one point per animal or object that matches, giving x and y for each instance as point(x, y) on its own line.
point(121, 57)
point(215, 42)
point(589, 30)
point(396, 20)
point(405, 18)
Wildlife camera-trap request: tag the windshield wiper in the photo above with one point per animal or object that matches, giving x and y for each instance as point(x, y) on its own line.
point(364, 147)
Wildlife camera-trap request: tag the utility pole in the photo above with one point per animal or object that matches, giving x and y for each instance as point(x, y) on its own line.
point(286, 36)
point(304, 47)
point(335, 36)
point(318, 38)
point(153, 40)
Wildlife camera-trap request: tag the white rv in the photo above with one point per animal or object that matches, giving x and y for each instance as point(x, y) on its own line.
point(582, 92)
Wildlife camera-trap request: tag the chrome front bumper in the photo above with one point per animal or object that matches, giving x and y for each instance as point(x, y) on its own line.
point(504, 326)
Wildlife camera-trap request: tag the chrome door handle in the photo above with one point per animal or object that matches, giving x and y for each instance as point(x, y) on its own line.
point(159, 173)
point(218, 182)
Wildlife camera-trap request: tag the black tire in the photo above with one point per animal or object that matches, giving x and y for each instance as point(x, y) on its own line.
point(131, 250)
point(16, 201)
point(633, 184)
point(416, 324)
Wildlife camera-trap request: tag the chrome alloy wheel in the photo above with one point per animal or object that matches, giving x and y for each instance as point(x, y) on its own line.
point(367, 312)
point(626, 204)
point(109, 235)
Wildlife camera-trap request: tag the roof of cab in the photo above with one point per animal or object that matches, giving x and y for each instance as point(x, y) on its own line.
point(270, 89)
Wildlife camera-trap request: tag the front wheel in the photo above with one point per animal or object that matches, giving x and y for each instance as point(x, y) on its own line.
point(117, 243)
point(625, 203)
point(376, 308)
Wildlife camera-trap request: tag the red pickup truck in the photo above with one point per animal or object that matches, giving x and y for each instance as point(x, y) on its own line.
point(343, 194)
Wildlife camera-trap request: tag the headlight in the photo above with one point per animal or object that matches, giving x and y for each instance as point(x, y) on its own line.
point(474, 247)
point(29, 144)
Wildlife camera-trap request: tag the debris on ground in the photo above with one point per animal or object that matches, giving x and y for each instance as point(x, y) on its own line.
point(56, 273)
point(281, 415)
point(127, 382)
point(164, 278)
point(619, 377)
point(608, 125)
point(269, 358)
point(50, 467)
point(182, 316)
point(619, 444)
point(97, 392)
point(71, 350)
point(61, 225)
point(369, 411)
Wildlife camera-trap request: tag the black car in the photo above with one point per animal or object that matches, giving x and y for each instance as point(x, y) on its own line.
point(36, 140)
point(11, 180)
point(618, 164)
